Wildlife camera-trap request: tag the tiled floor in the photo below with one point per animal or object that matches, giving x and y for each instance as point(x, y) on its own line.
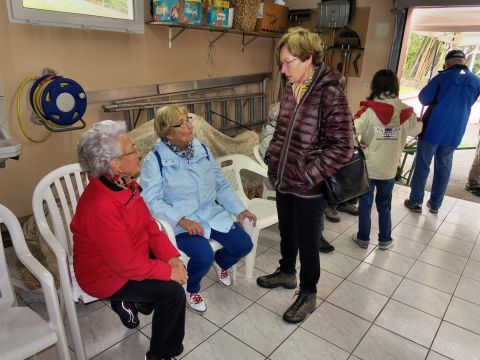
point(418, 300)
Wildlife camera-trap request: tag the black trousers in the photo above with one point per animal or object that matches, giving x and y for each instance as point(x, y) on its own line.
point(168, 322)
point(300, 221)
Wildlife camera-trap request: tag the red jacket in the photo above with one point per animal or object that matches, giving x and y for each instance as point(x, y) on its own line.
point(113, 233)
point(296, 164)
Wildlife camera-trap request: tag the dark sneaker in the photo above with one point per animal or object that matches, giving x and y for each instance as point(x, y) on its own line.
point(324, 246)
point(384, 245)
point(278, 278)
point(301, 308)
point(144, 308)
point(432, 210)
point(127, 312)
point(413, 206)
point(348, 208)
point(331, 214)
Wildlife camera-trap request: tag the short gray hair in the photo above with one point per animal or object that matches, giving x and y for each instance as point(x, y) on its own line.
point(99, 146)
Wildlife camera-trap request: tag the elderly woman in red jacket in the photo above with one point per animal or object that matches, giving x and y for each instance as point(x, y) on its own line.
point(119, 253)
point(312, 140)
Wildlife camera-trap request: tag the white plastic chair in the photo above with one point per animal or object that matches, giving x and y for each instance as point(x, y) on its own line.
point(167, 228)
point(265, 210)
point(57, 195)
point(268, 191)
point(23, 332)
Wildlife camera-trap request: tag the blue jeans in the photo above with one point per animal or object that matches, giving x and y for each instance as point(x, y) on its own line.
point(383, 200)
point(441, 172)
point(236, 244)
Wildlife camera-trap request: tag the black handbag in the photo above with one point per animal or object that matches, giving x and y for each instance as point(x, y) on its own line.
point(350, 181)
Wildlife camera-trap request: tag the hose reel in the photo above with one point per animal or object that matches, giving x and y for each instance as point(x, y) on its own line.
point(58, 102)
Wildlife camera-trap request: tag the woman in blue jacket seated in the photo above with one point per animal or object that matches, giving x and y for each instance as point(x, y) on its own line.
point(183, 184)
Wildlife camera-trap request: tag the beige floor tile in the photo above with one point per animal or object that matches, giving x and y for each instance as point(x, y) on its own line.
point(358, 300)
point(223, 304)
point(337, 326)
point(268, 261)
point(472, 270)
point(347, 246)
point(381, 344)
point(468, 289)
point(469, 221)
point(456, 343)
point(338, 263)
point(223, 346)
point(451, 244)
point(464, 314)
point(434, 276)
point(422, 297)
point(443, 259)
point(422, 221)
point(328, 282)
point(306, 346)
point(376, 279)
point(249, 287)
point(133, 347)
point(390, 261)
point(260, 328)
point(459, 232)
point(406, 247)
point(279, 299)
point(413, 233)
point(408, 322)
point(432, 355)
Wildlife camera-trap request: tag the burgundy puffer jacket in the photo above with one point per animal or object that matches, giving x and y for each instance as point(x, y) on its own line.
point(296, 164)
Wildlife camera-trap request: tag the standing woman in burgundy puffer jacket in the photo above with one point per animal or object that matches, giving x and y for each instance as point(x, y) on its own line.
point(314, 115)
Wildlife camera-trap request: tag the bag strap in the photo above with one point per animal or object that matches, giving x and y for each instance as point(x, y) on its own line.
point(159, 159)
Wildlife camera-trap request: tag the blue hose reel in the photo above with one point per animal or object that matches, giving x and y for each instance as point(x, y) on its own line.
point(59, 102)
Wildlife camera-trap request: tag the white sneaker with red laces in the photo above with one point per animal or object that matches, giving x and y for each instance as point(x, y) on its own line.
point(196, 303)
point(223, 275)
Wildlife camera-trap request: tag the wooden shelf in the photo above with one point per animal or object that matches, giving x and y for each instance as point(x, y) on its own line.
point(252, 35)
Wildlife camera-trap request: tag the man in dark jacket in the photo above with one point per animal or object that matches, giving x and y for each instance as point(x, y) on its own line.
point(450, 96)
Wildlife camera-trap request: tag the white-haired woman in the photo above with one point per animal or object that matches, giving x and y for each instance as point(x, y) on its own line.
point(119, 252)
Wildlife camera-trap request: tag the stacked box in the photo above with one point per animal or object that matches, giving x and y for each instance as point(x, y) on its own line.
point(166, 10)
point(192, 12)
point(218, 13)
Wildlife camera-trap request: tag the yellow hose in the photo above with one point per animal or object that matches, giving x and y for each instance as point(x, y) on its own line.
point(19, 117)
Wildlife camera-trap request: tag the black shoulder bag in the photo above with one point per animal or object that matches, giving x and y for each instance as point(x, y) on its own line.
point(350, 181)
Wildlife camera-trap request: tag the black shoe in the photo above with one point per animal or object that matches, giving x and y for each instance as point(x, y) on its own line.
point(324, 246)
point(278, 278)
point(412, 206)
point(177, 352)
point(299, 310)
point(432, 210)
point(127, 313)
point(144, 308)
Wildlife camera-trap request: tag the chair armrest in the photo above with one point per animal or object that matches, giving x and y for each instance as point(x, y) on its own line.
point(244, 162)
point(165, 226)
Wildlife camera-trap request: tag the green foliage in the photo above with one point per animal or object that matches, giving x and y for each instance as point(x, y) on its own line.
point(415, 45)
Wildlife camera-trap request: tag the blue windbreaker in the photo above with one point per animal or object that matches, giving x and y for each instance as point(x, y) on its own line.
point(453, 91)
point(195, 189)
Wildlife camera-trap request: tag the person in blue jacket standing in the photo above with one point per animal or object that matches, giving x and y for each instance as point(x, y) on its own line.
point(449, 96)
point(183, 184)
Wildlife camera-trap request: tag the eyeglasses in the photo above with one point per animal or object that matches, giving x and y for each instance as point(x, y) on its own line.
point(184, 123)
point(134, 151)
point(288, 63)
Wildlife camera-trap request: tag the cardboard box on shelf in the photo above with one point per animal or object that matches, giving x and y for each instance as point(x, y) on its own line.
point(274, 19)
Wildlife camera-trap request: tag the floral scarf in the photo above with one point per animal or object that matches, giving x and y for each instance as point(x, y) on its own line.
point(124, 182)
point(185, 153)
point(300, 88)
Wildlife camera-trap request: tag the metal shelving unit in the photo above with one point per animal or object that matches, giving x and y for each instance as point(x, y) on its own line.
point(215, 33)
